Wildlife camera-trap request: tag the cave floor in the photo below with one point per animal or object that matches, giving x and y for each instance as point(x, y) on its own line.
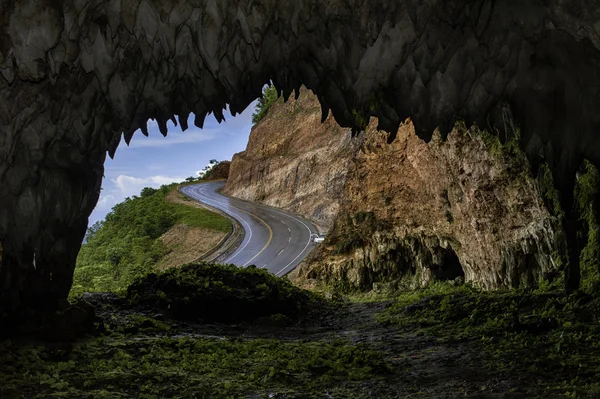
point(349, 350)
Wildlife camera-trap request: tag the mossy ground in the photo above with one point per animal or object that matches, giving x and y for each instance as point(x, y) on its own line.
point(442, 342)
point(188, 367)
point(548, 339)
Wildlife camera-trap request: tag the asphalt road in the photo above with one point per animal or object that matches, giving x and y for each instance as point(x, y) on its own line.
point(274, 239)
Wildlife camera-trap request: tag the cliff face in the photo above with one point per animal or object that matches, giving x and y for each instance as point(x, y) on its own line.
point(407, 212)
point(416, 212)
point(294, 162)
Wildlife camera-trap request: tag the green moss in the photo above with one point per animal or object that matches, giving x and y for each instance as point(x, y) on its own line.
point(376, 99)
point(549, 192)
point(550, 335)
point(118, 367)
point(220, 293)
point(361, 121)
point(135, 323)
point(491, 142)
point(586, 192)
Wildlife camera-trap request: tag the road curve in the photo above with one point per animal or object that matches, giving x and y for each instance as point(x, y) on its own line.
point(274, 239)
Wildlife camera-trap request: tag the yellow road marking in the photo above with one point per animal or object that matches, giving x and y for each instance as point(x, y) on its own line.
point(270, 236)
point(251, 214)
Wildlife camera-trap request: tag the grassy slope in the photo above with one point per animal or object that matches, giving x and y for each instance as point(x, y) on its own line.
point(127, 246)
point(203, 218)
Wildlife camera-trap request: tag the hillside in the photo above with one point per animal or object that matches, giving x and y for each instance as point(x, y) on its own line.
point(157, 230)
point(294, 162)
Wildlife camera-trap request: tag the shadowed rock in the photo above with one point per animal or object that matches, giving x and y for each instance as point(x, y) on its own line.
point(77, 76)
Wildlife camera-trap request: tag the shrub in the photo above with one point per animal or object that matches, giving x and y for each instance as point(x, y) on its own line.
point(223, 293)
point(268, 98)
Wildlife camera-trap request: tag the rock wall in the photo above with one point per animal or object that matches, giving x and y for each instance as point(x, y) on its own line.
point(220, 171)
point(407, 212)
point(418, 212)
point(294, 162)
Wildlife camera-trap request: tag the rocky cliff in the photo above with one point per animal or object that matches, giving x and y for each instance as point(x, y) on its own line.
point(408, 212)
point(294, 162)
point(418, 212)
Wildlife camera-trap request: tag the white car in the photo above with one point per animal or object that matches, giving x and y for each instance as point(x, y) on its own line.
point(317, 238)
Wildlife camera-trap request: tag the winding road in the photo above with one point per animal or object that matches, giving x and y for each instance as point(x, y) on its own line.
point(274, 239)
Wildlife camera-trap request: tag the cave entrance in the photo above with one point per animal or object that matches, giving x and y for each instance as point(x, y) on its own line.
point(449, 268)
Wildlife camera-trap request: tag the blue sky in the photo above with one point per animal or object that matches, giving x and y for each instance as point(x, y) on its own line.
point(156, 160)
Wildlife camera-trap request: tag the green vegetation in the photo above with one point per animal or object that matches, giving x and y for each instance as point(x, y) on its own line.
point(223, 293)
point(549, 192)
point(547, 337)
point(126, 246)
point(510, 152)
point(207, 173)
point(361, 121)
point(586, 195)
point(265, 102)
point(142, 357)
point(164, 367)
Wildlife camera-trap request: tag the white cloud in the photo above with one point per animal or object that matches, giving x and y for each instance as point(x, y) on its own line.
point(174, 138)
point(129, 185)
point(107, 200)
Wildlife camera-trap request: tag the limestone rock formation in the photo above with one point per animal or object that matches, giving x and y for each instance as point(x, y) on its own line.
point(415, 212)
point(76, 76)
point(294, 162)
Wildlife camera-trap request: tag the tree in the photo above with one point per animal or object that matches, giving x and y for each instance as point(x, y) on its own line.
point(268, 98)
point(92, 230)
point(114, 255)
point(147, 191)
